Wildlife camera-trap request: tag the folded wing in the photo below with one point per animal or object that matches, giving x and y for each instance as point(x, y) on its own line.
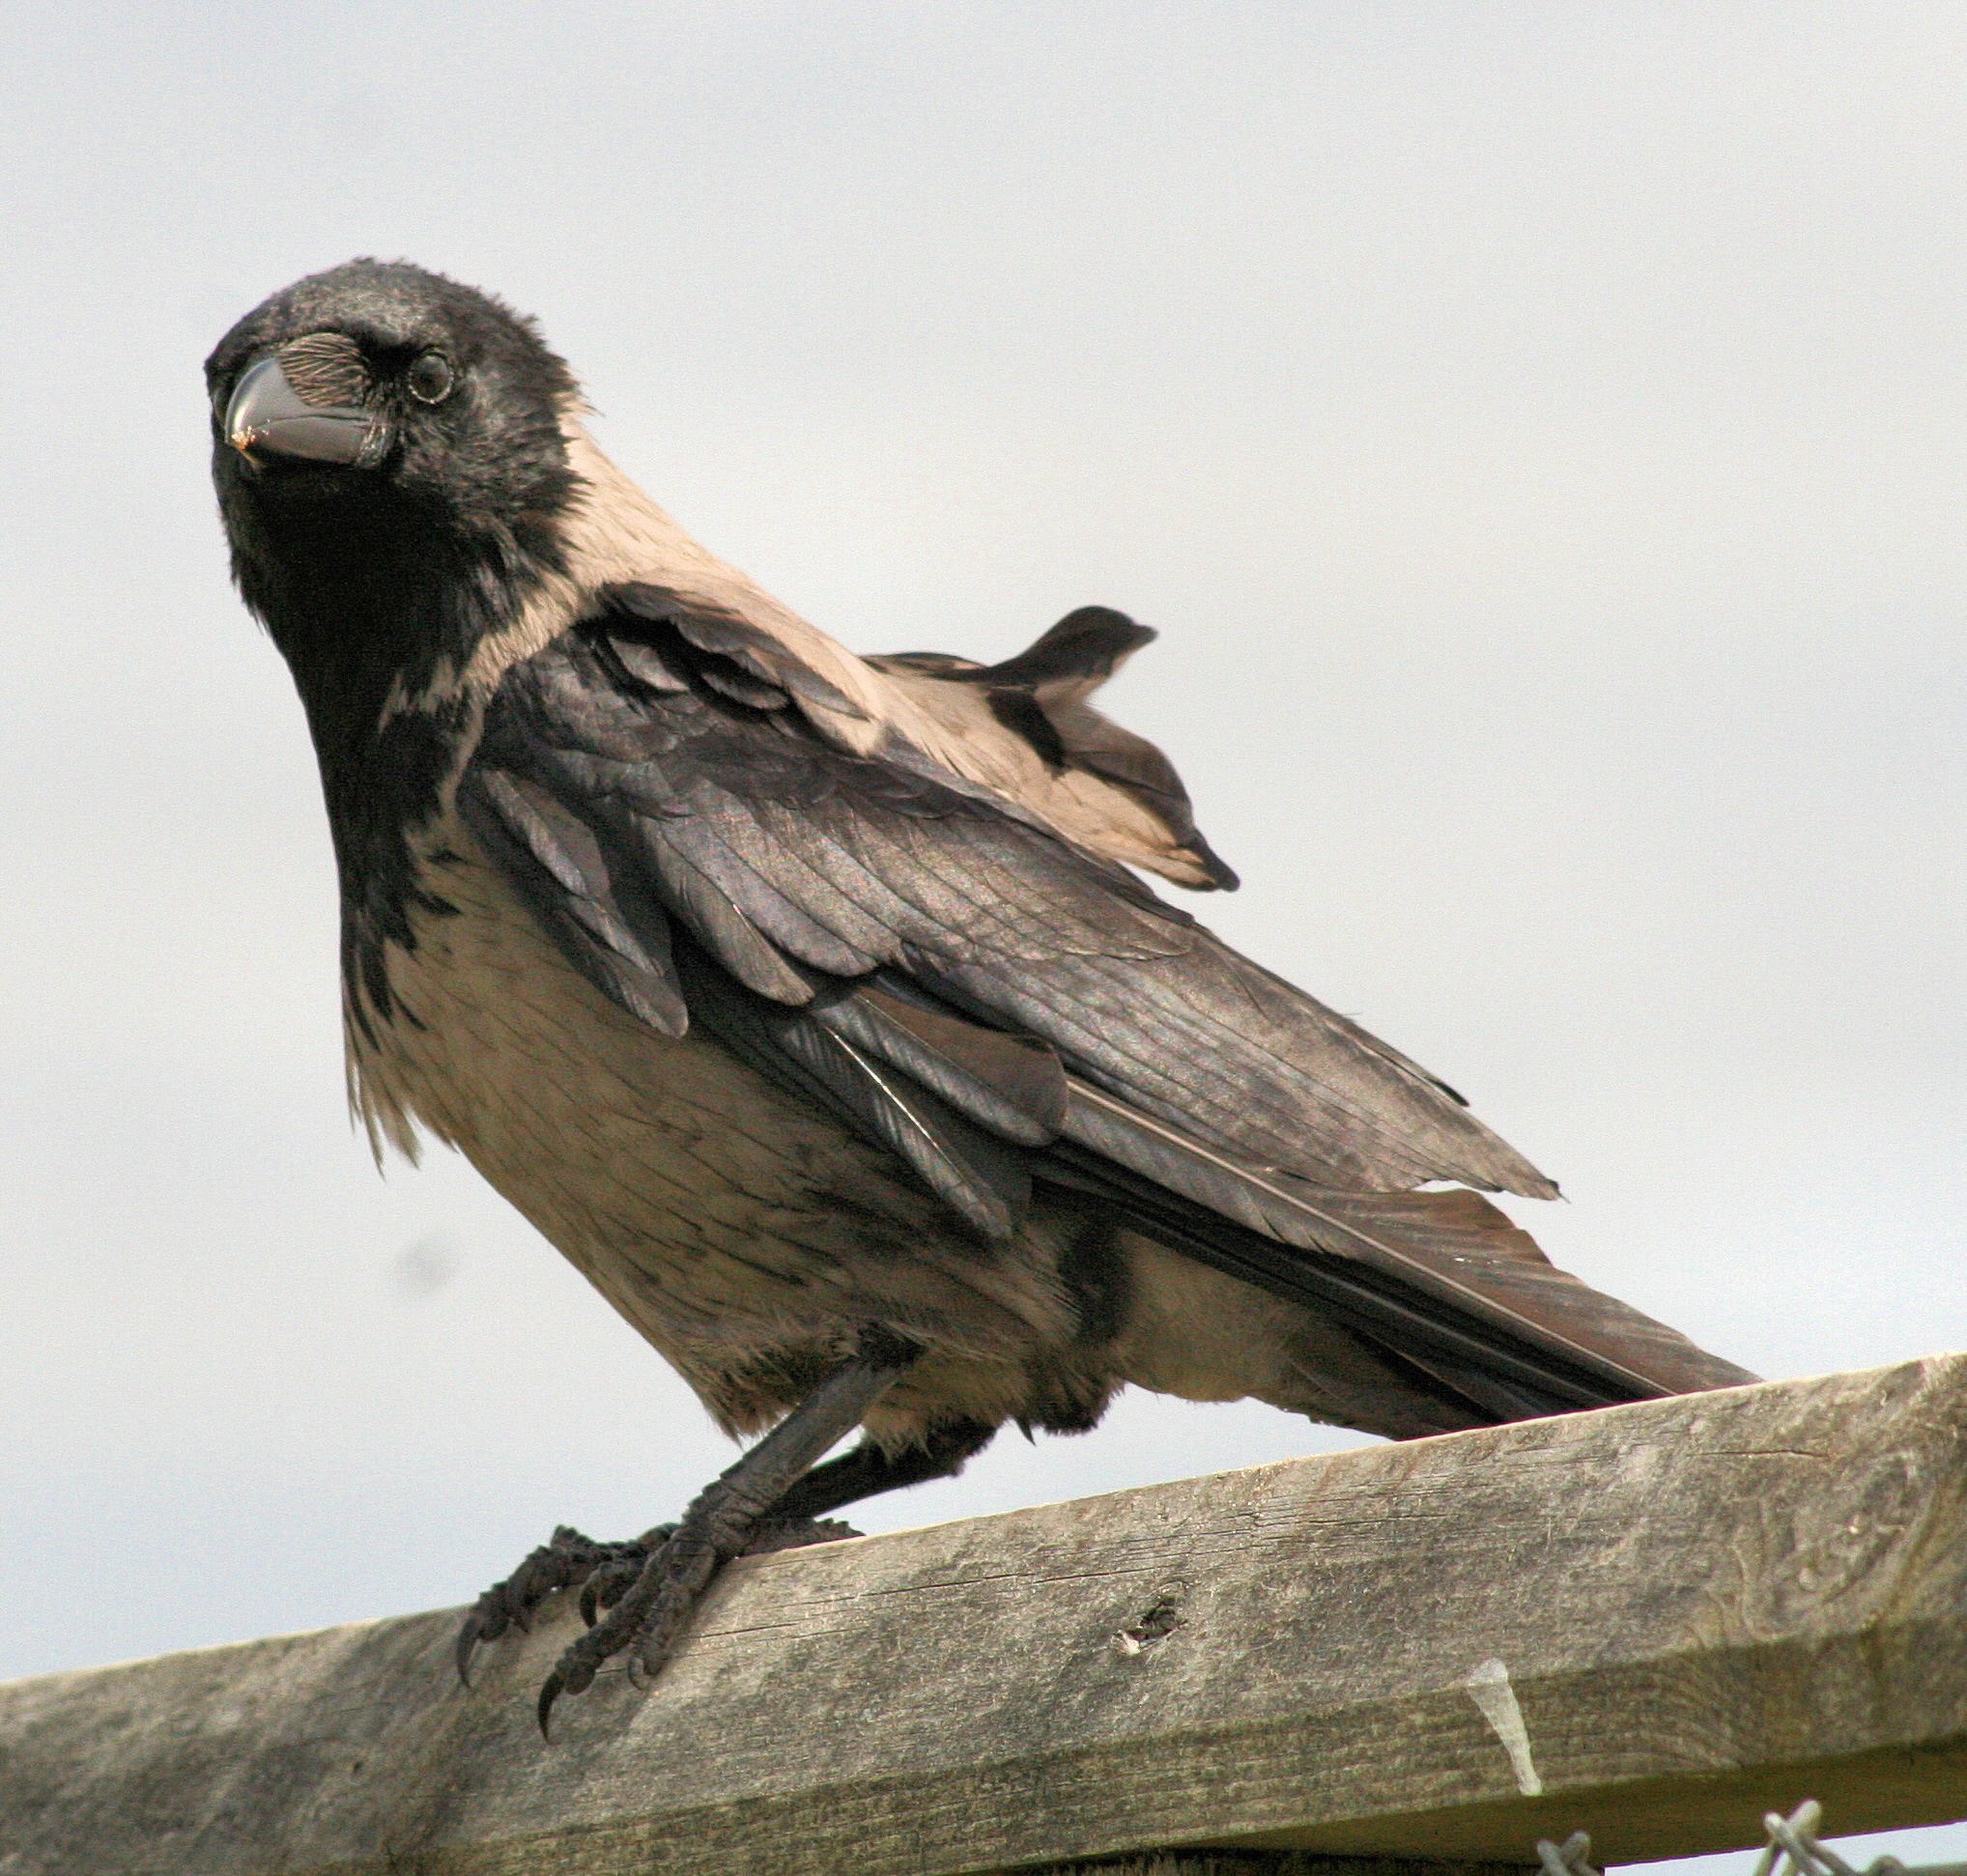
point(997, 1005)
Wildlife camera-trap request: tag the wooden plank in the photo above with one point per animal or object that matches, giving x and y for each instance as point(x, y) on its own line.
point(1653, 1623)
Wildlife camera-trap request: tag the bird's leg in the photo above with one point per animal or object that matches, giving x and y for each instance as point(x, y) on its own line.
point(799, 1517)
point(864, 1471)
point(723, 1519)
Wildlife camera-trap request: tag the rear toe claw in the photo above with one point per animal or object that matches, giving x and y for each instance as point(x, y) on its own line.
point(467, 1646)
point(543, 1711)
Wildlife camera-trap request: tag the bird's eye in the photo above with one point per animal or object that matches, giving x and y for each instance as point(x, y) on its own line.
point(430, 378)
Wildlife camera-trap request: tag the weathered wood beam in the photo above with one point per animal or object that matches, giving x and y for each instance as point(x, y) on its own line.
point(1652, 1623)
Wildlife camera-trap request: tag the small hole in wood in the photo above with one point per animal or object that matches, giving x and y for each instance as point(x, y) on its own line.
point(1161, 1619)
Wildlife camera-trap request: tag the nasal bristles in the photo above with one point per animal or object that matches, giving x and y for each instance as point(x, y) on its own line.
point(325, 370)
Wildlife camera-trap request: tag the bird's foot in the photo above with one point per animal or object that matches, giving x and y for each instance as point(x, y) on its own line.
point(648, 1588)
point(649, 1598)
point(567, 1560)
point(604, 1574)
point(796, 1533)
point(613, 1575)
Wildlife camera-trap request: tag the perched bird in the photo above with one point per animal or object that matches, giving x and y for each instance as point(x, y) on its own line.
point(813, 1004)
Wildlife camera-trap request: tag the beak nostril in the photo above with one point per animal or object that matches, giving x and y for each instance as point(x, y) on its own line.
point(266, 414)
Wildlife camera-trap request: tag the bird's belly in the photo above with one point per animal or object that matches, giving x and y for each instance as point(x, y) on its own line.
point(736, 1227)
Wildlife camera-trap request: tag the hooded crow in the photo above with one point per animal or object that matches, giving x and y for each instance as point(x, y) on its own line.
point(814, 1005)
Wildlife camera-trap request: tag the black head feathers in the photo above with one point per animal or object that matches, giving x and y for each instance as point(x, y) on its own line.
point(390, 459)
point(394, 313)
point(457, 399)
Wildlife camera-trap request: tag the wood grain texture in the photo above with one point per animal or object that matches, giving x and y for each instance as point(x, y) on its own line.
point(1702, 1608)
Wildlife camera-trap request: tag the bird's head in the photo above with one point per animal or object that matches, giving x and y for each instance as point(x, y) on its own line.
point(391, 462)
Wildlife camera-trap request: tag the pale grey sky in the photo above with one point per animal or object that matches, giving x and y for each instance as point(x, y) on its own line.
point(1540, 432)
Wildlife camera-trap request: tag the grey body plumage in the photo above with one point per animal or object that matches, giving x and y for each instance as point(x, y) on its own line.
point(807, 1001)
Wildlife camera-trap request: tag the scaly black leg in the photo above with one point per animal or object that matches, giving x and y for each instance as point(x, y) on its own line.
point(866, 1470)
point(723, 1520)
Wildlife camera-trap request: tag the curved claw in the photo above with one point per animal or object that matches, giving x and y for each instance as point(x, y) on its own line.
point(549, 1692)
point(467, 1646)
point(572, 1673)
point(488, 1620)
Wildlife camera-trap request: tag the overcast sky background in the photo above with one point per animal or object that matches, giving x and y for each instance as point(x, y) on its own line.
point(1540, 432)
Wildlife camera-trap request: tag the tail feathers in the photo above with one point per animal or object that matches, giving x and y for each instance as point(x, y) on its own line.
point(1440, 1282)
point(1461, 1233)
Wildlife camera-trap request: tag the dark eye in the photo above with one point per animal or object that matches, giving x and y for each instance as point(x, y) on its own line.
point(430, 378)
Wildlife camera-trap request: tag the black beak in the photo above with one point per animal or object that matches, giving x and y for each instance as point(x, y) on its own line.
point(269, 417)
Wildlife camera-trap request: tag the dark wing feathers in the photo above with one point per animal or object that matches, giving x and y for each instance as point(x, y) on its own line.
point(613, 932)
point(1449, 1259)
point(981, 1179)
point(1078, 654)
point(731, 635)
point(993, 1005)
point(778, 851)
point(1012, 1085)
